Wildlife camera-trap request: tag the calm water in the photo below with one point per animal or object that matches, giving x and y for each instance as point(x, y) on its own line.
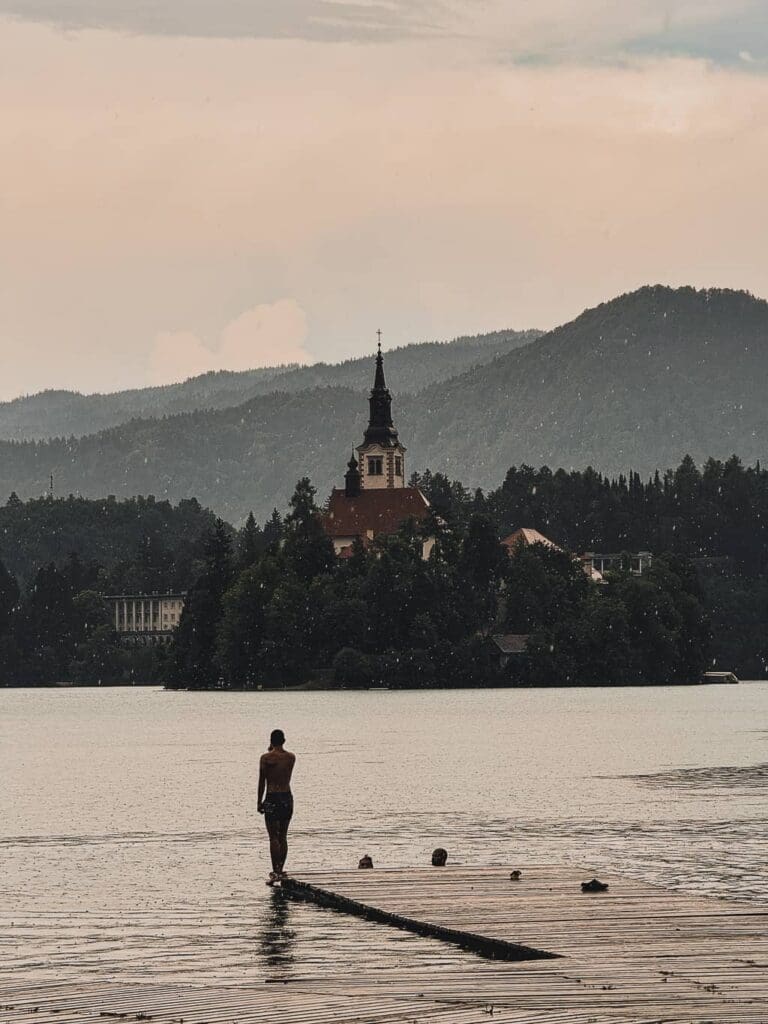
point(130, 846)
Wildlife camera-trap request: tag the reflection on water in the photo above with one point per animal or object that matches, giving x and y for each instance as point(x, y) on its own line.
point(131, 849)
point(277, 939)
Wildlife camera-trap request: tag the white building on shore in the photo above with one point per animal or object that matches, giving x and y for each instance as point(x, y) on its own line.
point(146, 618)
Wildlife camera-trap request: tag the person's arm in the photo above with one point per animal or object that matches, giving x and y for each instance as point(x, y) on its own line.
point(262, 787)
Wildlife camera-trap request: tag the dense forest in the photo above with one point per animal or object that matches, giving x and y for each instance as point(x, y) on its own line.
point(634, 383)
point(139, 544)
point(51, 414)
point(271, 605)
point(716, 517)
point(292, 612)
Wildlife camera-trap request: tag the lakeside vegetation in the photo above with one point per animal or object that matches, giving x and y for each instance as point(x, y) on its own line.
point(273, 606)
point(386, 616)
point(58, 558)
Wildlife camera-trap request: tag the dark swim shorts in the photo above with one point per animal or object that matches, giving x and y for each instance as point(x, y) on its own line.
point(278, 807)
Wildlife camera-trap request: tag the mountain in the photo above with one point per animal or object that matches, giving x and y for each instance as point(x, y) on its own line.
point(70, 414)
point(634, 383)
point(637, 383)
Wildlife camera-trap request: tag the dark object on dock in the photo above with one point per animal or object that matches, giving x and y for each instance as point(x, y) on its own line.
point(365, 862)
point(594, 886)
point(439, 857)
point(491, 948)
point(514, 876)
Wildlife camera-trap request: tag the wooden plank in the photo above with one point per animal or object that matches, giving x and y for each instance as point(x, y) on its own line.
point(634, 955)
point(634, 949)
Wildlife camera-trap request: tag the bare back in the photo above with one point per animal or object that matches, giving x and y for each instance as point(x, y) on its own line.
point(276, 768)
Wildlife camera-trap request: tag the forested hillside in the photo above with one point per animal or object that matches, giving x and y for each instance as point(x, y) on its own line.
point(51, 414)
point(634, 384)
point(234, 460)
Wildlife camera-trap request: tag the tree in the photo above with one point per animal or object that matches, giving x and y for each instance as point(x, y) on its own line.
point(482, 564)
point(250, 544)
point(543, 586)
point(273, 530)
point(242, 631)
point(194, 663)
point(308, 550)
point(9, 600)
point(9, 607)
point(352, 668)
point(49, 629)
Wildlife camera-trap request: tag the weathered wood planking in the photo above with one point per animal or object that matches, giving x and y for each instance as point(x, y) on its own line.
point(634, 955)
point(101, 1003)
point(635, 950)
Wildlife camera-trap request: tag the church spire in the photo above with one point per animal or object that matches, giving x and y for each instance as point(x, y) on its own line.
point(352, 478)
point(380, 430)
point(378, 381)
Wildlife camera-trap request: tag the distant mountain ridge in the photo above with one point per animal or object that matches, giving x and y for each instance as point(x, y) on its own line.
point(636, 382)
point(633, 383)
point(52, 413)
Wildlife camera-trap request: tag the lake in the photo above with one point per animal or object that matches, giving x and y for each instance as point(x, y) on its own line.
point(131, 848)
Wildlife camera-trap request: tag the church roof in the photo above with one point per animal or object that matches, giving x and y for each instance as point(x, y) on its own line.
point(526, 536)
point(382, 510)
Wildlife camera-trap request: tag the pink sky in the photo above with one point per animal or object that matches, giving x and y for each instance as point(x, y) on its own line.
point(173, 204)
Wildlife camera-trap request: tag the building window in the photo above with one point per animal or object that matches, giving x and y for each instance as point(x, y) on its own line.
point(398, 466)
point(375, 465)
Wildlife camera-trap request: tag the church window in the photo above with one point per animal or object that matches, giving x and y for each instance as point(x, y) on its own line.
point(375, 465)
point(398, 466)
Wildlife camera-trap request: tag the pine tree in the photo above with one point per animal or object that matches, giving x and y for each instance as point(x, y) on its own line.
point(9, 600)
point(308, 549)
point(194, 663)
point(273, 531)
point(250, 544)
point(481, 567)
point(9, 607)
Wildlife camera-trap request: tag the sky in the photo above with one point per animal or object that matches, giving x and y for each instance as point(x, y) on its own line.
point(189, 185)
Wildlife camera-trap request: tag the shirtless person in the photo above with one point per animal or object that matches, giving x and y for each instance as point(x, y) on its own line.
point(275, 770)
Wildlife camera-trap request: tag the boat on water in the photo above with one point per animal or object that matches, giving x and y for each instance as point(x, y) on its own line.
point(719, 677)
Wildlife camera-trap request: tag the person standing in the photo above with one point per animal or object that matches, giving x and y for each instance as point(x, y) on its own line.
point(275, 800)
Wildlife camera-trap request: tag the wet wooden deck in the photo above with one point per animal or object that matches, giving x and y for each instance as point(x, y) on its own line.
point(633, 955)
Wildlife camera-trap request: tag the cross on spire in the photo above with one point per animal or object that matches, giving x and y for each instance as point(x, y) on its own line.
point(378, 334)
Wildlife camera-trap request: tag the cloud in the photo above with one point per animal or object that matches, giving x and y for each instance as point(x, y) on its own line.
point(734, 36)
point(548, 31)
point(263, 336)
point(323, 20)
point(154, 182)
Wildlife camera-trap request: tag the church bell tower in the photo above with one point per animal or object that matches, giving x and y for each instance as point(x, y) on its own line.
point(381, 456)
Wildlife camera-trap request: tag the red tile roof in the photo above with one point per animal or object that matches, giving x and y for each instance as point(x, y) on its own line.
point(382, 510)
point(511, 643)
point(526, 536)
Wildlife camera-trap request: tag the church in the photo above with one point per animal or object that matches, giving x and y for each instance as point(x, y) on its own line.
point(375, 500)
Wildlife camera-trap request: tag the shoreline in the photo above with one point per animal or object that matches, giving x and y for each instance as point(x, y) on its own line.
point(325, 688)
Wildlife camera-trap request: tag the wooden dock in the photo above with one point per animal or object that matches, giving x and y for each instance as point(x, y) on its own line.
point(544, 953)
